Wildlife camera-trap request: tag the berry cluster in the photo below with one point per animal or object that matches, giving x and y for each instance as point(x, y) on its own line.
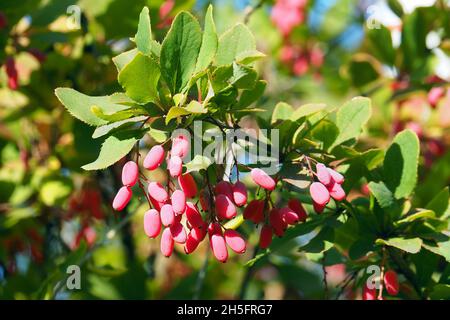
point(169, 205)
point(288, 14)
point(11, 72)
point(300, 59)
point(391, 284)
point(87, 205)
point(329, 185)
point(262, 211)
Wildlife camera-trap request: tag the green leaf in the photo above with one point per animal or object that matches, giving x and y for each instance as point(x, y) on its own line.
point(140, 79)
point(282, 111)
point(79, 105)
point(180, 50)
point(144, 39)
point(55, 191)
point(248, 57)
point(233, 43)
point(196, 107)
point(209, 43)
point(307, 110)
point(400, 164)
point(250, 96)
point(439, 204)
point(124, 58)
point(198, 163)
point(114, 148)
point(383, 195)
point(351, 118)
point(243, 77)
point(441, 248)
point(117, 116)
point(326, 132)
point(412, 245)
point(422, 214)
point(176, 112)
point(104, 130)
point(440, 292)
point(381, 44)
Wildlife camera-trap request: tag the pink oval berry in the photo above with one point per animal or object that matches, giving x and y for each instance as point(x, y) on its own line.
point(178, 202)
point(191, 244)
point(319, 193)
point(262, 179)
point(157, 192)
point(167, 243)
point(175, 166)
point(193, 216)
point(391, 282)
point(180, 146)
point(265, 237)
point(188, 185)
point(225, 209)
point(253, 209)
point(199, 233)
point(225, 188)
point(152, 223)
point(235, 241)
point(219, 247)
point(167, 215)
point(323, 174)
point(337, 192)
point(239, 194)
point(178, 233)
point(122, 198)
point(130, 173)
point(154, 158)
point(297, 206)
point(289, 216)
point(336, 176)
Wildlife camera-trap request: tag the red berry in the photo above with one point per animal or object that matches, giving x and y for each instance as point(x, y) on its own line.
point(188, 185)
point(193, 216)
point(265, 238)
point(167, 243)
point(152, 223)
point(3, 20)
point(369, 294)
point(11, 71)
point(337, 177)
point(204, 201)
point(199, 233)
point(239, 194)
point(180, 146)
point(122, 198)
point(178, 233)
point(434, 95)
point(175, 166)
point(130, 173)
point(157, 192)
point(225, 208)
point(191, 243)
point(323, 174)
point(289, 216)
point(157, 205)
point(167, 215)
point(297, 206)
point(178, 202)
point(277, 222)
point(235, 241)
point(262, 179)
point(219, 247)
point(154, 158)
point(225, 188)
point(319, 193)
point(214, 228)
point(391, 282)
point(318, 208)
point(254, 208)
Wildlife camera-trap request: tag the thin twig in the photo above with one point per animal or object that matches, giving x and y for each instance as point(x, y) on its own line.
point(201, 278)
point(251, 10)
